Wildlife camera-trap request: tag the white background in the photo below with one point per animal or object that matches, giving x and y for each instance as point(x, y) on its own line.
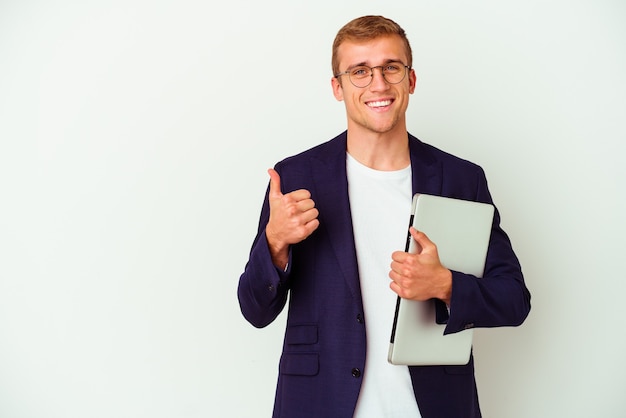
point(134, 141)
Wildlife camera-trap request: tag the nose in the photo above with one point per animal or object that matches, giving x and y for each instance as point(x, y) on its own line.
point(378, 79)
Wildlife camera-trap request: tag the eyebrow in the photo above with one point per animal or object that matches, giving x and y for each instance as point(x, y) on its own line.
point(364, 63)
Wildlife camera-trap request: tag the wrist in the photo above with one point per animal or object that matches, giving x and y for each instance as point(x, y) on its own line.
point(278, 251)
point(446, 287)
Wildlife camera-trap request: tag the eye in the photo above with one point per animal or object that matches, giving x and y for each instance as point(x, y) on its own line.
point(393, 67)
point(360, 72)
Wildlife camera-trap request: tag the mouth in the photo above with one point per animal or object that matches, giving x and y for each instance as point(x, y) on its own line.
point(377, 104)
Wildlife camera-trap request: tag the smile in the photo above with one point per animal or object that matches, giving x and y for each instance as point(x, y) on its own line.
point(379, 103)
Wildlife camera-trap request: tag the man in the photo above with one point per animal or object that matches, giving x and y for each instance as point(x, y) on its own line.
point(331, 225)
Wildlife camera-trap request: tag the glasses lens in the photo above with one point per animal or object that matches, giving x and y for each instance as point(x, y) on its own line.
point(361, 76)
point(394, 72)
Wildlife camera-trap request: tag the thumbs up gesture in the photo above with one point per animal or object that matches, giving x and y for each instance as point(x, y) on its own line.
point(293, 217)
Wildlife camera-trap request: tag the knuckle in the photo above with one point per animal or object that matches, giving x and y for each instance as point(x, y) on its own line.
point(302, 231)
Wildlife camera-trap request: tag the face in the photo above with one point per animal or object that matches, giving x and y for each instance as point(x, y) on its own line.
point(380, 107)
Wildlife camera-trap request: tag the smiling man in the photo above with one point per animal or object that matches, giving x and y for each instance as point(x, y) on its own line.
point(330, 232)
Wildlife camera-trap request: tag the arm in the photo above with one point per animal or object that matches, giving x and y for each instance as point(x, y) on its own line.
point(263, 287)
point(500, 298)
point(286, 219)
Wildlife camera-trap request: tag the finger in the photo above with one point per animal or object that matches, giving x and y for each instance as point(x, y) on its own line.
point(421, 238)
point(274, 183)
point(312, 225)
point(304, 230)
point(305, 205)
point(399, 271)
point(399, 256)
point(394, 286)
point(309, 215)
point(396, 267)
point(400, 291)
point(394, 275)
point(300, 195)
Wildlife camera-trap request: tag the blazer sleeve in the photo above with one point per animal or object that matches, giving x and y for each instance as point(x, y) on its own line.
point(500, 297)
point(263, 287)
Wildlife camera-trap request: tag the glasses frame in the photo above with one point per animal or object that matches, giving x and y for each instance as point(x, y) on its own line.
point(382, 72)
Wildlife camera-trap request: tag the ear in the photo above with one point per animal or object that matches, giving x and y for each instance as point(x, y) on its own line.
point(412, 81)
point(337, 89)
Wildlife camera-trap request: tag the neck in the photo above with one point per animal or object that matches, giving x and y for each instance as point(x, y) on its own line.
point(380, 151)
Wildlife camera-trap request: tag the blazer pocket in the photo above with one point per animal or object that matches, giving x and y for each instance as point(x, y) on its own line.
point(300, 364)
point(301, 334)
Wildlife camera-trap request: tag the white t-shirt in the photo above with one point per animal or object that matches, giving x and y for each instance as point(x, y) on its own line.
point(380, 203)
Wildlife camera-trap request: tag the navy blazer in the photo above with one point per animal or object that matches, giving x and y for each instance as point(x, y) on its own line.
point(323, 356)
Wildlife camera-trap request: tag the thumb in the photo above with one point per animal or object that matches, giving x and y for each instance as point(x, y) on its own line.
point(422, 240)
point(274, 182)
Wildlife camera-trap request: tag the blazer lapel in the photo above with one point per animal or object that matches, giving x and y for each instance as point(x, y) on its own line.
point(426, 170)
point(331, 182)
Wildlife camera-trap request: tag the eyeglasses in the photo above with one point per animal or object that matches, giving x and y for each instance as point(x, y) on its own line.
point(362, 75)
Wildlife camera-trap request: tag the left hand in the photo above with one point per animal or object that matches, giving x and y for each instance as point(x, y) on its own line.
point(420, 276)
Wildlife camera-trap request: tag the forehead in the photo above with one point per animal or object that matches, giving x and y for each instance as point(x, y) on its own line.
point(371, 52)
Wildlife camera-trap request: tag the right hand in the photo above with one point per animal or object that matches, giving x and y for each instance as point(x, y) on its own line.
point(293, 217)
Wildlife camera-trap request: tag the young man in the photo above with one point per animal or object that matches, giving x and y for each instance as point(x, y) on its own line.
point(331, 225)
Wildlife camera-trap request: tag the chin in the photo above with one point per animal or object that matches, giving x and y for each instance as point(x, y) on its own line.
point(382, 129)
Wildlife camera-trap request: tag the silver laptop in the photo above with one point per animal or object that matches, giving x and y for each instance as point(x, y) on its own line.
point(461, 230)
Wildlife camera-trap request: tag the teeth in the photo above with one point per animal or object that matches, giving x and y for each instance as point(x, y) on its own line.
point(381, 103)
